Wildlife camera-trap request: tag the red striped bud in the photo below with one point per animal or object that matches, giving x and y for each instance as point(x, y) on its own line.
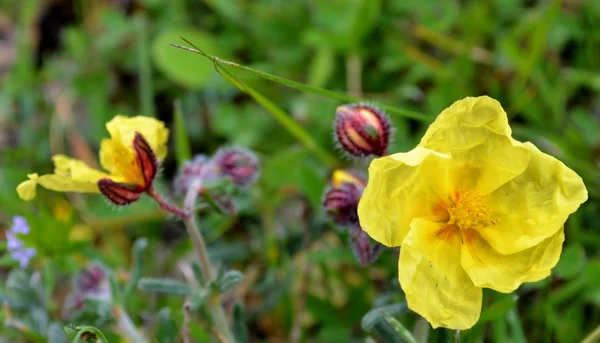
point(341, 198)
point(362, 130)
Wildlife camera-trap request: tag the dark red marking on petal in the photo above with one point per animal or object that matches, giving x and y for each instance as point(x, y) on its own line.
point(145, 159)
point(120, 193)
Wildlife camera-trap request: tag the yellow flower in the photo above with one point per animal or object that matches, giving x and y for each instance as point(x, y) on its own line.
point(117, 156)
point(471, 207)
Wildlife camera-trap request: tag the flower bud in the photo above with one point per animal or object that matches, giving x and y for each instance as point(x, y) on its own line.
point(241, 165)
point(92, 283)
point(365, 252)
point(341, 197)
point(199, 167)
point(362, 130)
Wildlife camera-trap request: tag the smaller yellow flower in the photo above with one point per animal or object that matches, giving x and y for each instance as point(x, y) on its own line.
point(117, 155)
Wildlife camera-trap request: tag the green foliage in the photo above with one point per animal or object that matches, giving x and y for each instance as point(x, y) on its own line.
point(282, 69)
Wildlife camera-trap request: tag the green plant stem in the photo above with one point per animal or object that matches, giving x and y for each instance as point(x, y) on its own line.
point(304, 87)
point(126, 325)
point(594, 336)
point(214, 307)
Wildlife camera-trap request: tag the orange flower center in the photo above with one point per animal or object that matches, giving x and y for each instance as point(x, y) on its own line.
point(467, 212)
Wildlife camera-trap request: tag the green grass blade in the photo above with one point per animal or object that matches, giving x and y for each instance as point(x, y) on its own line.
point(304, 87)
point(281, 117)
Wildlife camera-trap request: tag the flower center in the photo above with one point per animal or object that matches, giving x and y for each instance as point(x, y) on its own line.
point(468, 211)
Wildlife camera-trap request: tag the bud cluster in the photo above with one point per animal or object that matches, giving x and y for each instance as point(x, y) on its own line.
point(240, 166)
point(340, 203)
point(361, 130)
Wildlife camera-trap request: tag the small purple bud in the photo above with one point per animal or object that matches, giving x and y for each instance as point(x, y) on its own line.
point(92, 283)
point(241, 165)
point(365, 252)
point(199, 167)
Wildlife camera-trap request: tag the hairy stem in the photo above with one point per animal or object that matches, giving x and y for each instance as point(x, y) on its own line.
point(165, 205)
point(214, 307)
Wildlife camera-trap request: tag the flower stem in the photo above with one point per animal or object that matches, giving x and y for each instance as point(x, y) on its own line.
point(166, 205)
point(214, 307)
point(126, 325)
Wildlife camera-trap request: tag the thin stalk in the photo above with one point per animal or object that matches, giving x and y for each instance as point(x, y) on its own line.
point(165, 205)
point(304, 87)
point(594, 336)
point(126, 325)
point(214, 307)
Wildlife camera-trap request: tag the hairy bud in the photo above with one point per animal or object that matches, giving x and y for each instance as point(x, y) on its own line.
point(362, 130)
point(241, 165)
point(365, 251)
point(341, 198)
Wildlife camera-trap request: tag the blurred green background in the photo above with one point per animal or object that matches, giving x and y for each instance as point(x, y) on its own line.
point(69, 66)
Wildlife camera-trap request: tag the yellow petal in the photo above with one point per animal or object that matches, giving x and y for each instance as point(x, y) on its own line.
point(505, 273)
point(26, 189)
point(76, 169)
point(534, 205)
point(120, 161)
point(475, 132)
point(401, 187)
point(435, 285)
point(122, 129)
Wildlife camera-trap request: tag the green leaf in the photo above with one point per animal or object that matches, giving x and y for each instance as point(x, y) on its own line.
point(399, 328)
point(180, 66)
point(183, 150)
point(139, 247)
point(369, 319)
point(571, 263)
point(168, 286)
point(229, 279)
point(166, 330)
point(240, 328)
point(498, 309)
point(84, 334)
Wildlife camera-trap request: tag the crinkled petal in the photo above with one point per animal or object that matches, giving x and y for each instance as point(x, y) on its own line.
point(401, 187)
point(505, 273)
point(475, 132)
point(122, 129)
point(435, 285)
point(534, 205)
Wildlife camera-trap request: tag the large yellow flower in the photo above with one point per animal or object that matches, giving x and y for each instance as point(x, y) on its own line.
point(117, 156)
point(471, 207)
